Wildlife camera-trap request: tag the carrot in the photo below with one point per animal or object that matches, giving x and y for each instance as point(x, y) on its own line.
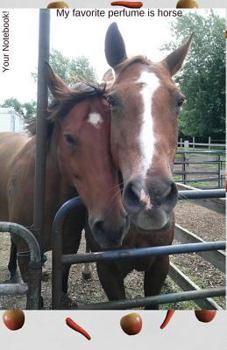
point(167, 318)
point(77, 328)
point(129, 4)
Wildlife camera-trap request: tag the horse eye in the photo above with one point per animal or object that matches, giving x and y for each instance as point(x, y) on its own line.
point(113, 101)
point(71, 140)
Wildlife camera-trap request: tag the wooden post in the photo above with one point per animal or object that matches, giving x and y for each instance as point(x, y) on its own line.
point(219, 171)
point(186, 145)
point(181, 142)
point(184, 168)
point(209, 142)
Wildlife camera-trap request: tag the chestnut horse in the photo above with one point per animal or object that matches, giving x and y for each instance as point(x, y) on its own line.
point(78, 163)
point(145, 103)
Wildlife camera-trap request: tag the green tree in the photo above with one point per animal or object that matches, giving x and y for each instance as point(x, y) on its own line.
point(14, 103)
point(202, 79)
point(27, 110)
point(71, 70)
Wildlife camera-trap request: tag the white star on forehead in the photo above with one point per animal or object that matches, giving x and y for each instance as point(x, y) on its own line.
point(95, 119)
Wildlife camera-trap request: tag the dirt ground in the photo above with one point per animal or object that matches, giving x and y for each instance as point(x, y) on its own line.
point(205, 223)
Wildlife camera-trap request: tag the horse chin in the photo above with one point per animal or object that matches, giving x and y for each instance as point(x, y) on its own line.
point(155, 219)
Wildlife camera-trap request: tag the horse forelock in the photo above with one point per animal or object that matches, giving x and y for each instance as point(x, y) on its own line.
point(81, 91)
point(130, 61)
point(59, 108)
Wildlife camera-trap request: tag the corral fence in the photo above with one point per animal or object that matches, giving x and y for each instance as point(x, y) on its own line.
point(202, 169)
point(210, 144)
point(211, 251)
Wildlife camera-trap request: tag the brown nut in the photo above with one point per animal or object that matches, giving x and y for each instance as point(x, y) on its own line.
point(57, 5)
point(187, 4)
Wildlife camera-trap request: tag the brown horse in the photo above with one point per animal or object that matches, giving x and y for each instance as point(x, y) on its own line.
point(78, 162)
point(145, 104)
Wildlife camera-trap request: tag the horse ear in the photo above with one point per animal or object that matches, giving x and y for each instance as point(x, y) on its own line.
point(108, 77)
point(174, 61)
point(114, 46)
point(56, 85)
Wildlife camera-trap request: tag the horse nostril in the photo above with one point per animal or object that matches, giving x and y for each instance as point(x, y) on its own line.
point(131, 197)
point(100, 234)
point(108, 234)
point(170, 197)
point(99, 228)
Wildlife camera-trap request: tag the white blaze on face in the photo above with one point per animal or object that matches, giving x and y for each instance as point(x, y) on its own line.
point(145, 198)
point(147, 137)
point(95, 119)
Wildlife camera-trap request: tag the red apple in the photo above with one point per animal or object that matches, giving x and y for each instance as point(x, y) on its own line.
point(205, 315)
point(13, 319)
point(131, 324)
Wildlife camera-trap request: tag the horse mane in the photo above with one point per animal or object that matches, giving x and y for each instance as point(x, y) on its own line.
point(59, 108)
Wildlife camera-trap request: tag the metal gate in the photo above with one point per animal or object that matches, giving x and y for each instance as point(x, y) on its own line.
point(58, 259)
point(33, 288)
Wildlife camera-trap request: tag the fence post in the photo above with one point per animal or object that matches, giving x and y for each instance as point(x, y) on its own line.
point(209, 142)
point(219, 171)
point(193, 142)
point(181, 142)
point(186, 145)
point(184, 169)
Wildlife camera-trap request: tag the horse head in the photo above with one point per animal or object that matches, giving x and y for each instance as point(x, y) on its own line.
point(145, 103)
point(81, 132)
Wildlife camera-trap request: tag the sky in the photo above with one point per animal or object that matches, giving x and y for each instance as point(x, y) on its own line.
point(74, 37)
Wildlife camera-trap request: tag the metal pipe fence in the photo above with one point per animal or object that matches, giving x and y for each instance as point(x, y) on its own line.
point(192, 167)
point(59, 259)
point(33, 287)
point(155, 300)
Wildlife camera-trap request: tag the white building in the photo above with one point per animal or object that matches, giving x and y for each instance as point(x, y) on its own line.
point(10, 120)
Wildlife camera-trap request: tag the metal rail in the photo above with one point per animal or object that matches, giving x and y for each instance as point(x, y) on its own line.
point(133, 253)
point(33, 287)
point(154, 300)
point(201, 194)
point(13, 289)
point(57, 228)
point(58, 259)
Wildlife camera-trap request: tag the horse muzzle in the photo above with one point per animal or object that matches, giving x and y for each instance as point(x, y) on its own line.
point(149, 204)
point(109, 235)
